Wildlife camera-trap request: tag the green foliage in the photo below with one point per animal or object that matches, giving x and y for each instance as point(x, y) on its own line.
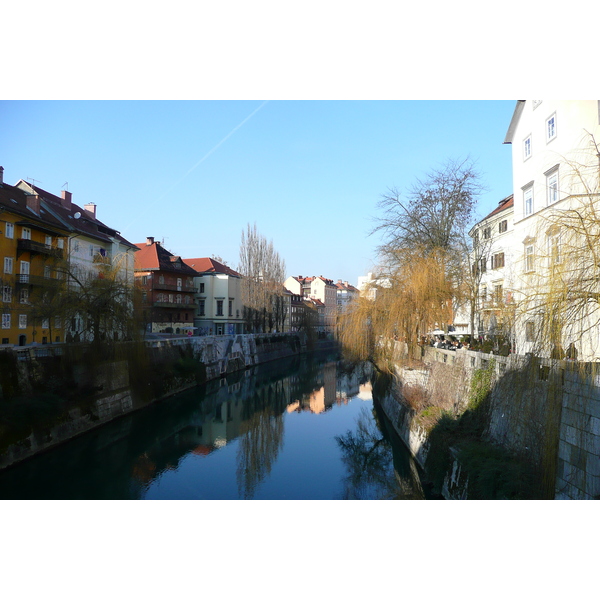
point(481, 385)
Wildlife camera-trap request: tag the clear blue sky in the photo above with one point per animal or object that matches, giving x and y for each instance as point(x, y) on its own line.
point(309, 173)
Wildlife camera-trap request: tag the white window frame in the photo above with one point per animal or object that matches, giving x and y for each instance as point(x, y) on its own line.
point(551, 127)
point(552, 187)
point(8, 265)
point(25, 233)
point(24, 296)
point(5, 320)
point(527, 147)
point(7, 294)
point(9, 231)
point(60, 243)
point(529, 258)
point(554, 253)
point(22, 321)
point(528, 201)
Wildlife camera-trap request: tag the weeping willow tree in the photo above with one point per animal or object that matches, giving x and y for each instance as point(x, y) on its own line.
point(410, 301)
point(263, 272)
point(558, 306)
point(422, 264)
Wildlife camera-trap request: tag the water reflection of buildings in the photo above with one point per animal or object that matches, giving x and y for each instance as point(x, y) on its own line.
point(321, 399)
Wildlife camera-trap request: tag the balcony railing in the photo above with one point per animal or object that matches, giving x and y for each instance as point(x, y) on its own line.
point(24, 245)
point(175, 288)
point(36, 280)
point(179, 305)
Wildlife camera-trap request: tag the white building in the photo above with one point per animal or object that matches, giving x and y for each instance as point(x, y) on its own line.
point(555, 170)
point(491, 266)
point(317, 288)
point(219, 300)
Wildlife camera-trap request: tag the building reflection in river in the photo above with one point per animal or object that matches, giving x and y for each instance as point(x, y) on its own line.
point(222, 440)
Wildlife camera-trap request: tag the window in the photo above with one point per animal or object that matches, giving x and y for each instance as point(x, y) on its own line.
point(201, 307)
point(529, 258)
point(503, 226)
point(60, 242)
point(6, 321)
point(161, 279)
point(45, 323)
point(475, 239)
point(483, 264)
point(498, 293)
point(486, 233)
point(554, 248)
point(498, 260)
point(48, 240)
point(231, 308)
point(7, 294)
point(47, 271)
point(22, 321)
point(551, 128)
point(24, 273)
point(483, 295)
point(179, 283)
point(529, 331)
point(528, 200)
point(219, 308)
point(75, 245)
point(552, 186)
point(10, 231)
point(527, 148)
point(202, 288)
point(24, 296)
point(178, 298)
point(144, 279)
point(57, 323)
point(26, 233)
point(8, 265)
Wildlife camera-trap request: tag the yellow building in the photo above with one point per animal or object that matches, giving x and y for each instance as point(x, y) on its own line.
point(32, 240)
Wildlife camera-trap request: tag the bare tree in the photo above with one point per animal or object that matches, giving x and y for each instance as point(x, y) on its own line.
point(263, 272)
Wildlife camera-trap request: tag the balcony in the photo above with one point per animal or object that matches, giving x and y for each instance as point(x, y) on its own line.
point(179, 305)
point(37, 248)
point(175, 288)
point(37, 280)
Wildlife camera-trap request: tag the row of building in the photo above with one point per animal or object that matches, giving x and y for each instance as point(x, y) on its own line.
point(46, 239)
point(535, 255)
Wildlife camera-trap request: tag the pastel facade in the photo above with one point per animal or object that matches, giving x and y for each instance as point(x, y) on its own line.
point(321, 289)
point(219, 308)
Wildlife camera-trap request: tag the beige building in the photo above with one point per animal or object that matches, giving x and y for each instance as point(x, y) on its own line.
point(219, 308)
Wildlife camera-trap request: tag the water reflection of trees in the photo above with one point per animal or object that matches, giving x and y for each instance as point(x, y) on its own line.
point(372, 464)
point(260, 442)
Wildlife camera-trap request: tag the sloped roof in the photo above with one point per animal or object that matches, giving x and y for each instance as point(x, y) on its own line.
point(153, 257)
point(346, 286)
point(210, 265)
point(85, 224)
point(504, 204)
point(14, 200)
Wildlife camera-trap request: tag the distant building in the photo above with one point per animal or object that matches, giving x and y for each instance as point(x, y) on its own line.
point(321, 289)
point(345, 294)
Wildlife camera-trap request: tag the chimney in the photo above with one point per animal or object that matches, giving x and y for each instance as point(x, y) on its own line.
point(149, 241)
point(66, 199)
point(339, 281)
point(1, 175)
point(91, 208)
point(33, 203)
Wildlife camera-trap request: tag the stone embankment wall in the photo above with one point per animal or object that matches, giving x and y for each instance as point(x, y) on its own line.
point(542, 409)
point(105, 389)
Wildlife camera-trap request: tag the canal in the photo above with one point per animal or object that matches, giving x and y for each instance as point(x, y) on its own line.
point(300, 428)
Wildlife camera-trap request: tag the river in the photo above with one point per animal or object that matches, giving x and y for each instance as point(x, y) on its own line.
point(301, 428)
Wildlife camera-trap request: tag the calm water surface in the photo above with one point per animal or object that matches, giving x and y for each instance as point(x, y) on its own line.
point(304, 428)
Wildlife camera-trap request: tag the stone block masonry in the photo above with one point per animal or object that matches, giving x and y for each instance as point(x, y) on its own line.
point(115, 388)
point(544, 409)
